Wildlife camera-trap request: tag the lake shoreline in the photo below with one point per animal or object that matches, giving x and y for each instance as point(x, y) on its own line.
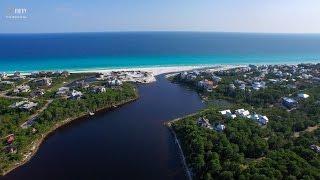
point(183, 158)
point(168, 124)
point(37, 144)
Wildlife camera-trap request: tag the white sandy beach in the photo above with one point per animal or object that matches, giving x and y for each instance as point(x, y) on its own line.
point(154, 70)
point(162, 70)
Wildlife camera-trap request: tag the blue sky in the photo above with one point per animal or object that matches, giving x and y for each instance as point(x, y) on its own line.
point(274, 16)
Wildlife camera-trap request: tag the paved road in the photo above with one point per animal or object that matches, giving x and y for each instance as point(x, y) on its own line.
point(30, 121)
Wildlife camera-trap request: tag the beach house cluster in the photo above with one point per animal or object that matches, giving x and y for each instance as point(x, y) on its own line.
point(248, 84)
point(24, 105)
point(76, 89)
point(189, 75)
point(287, 76)
point(101, 81)
point(204, 79)
point(22, 89)
point(116, 78)
point(31, 85)
point(67, 93)
point(253, 77)
point(261, 119)
point(256, 77)
point(40, 74)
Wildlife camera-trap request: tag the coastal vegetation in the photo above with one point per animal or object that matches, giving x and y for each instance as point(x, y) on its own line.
point(62, 109)
point(26, 120)
point(286, 147)
point(245, 150)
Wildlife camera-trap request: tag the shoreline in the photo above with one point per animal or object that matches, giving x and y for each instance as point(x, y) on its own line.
point(158, 69)
point(155, 70)
point(183, 158)
point(37, 143)
point(168, 124)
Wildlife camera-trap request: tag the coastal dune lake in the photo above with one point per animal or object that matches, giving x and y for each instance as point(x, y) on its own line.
point(129, 142)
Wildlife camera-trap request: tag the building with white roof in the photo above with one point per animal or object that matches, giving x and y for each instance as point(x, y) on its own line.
point(263, 120)
point(242, 112)
point(242, 87)
point(228, 114)
point(22, 89)
point(26, 105)
point(303, 96)
point(76, 94)
point(220, 127)
point(63, 91)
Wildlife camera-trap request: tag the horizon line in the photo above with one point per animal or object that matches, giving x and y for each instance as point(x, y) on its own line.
point(161, 31)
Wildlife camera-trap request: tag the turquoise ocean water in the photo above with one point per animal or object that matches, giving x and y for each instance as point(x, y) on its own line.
point(96, 63)
point(89, 51)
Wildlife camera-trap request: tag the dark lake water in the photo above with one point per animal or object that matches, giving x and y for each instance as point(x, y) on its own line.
point(130, 142)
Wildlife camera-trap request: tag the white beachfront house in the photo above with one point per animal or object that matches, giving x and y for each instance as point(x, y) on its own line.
point(242, 112)
point(228, 113)
point(115, 82)
point(303, 96)
point(26, 105)
point(289, 102)
point(263, 120)
point(75, 94)
point(242, 87)
point(258, 85)
point(62, 91)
